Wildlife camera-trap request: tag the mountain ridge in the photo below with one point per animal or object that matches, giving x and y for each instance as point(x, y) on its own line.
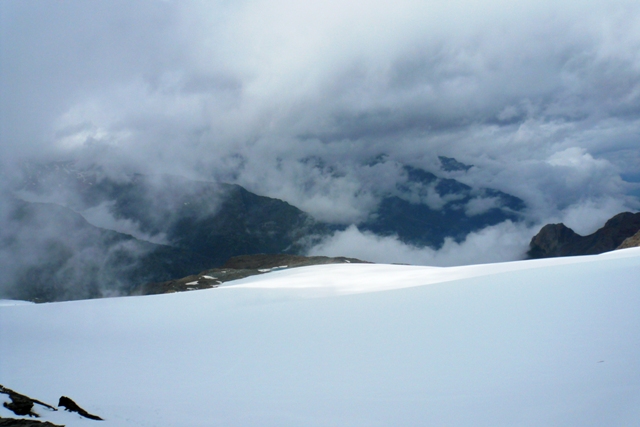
point(183, 226)
point(86, 262)
point(425, 208)
point(555, 240)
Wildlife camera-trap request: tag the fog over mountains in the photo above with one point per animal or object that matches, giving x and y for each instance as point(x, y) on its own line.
point(366, 118)
point(81, 233)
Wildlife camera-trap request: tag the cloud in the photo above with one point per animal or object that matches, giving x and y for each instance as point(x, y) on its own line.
point(294, 100)
point(102, 216)
point(585, 218)
point(503, 242)
point(50, 253)
point(480, 205)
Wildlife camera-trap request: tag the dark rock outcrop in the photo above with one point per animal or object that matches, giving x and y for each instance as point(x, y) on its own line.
point(266, 261)
point(72, 406)
point(556, 240)
point(631, 242)
point(15, 422)
point(552, 240)
point(21, 404)
point(236, 268)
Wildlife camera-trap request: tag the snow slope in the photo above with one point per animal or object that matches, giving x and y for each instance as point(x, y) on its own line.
point(553, 342)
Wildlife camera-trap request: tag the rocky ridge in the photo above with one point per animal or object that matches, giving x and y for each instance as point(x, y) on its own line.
point(555, 240)
point(21, 422)
point(236, 268)
point(631, 242)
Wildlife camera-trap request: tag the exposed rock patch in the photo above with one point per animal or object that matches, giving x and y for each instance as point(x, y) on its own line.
point(631, 242)
point(236, 268)
point(266, 261)
point(72, 406)
point(552, 240)
point(15, 422)
point(21, 404)
point(556, 240)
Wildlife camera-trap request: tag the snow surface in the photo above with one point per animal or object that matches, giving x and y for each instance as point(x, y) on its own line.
point(5, 302)
point(553, 342)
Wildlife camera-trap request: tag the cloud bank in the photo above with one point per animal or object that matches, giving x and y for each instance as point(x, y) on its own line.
point(294, 100)
point(502, 242)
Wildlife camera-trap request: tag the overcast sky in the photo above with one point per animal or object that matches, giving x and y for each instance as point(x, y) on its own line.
point(543, 97)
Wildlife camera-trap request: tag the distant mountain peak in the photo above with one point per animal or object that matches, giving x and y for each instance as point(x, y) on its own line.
point(551, 239)
point(202, 223)
point(425, 209)
point(556, 240)
point(449, 164)
point(419, 175)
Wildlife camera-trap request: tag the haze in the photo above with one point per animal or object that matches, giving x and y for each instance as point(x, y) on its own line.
point(542, 98)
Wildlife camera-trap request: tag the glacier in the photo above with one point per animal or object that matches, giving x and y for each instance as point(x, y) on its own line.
point(552, 342)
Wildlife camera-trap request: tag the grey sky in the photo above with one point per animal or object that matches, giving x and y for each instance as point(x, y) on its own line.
point(543, 97)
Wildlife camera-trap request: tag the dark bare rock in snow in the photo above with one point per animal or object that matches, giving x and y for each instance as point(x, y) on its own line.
point(236, 268)
point(72, 406)
point(261, 261)
point(15, 422)
point(556, 240)
point(21, 404)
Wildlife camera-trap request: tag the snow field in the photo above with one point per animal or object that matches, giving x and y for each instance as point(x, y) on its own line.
point(533, 343)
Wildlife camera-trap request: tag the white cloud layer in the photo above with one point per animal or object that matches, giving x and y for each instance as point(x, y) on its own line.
point(293, 99)
point(503, 242)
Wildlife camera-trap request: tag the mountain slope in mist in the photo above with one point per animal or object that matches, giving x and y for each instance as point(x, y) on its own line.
point(421, 208)
point(214, 220)
point(425, 209)
point(50, 253)
point(53, 253)
point(176, 227)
